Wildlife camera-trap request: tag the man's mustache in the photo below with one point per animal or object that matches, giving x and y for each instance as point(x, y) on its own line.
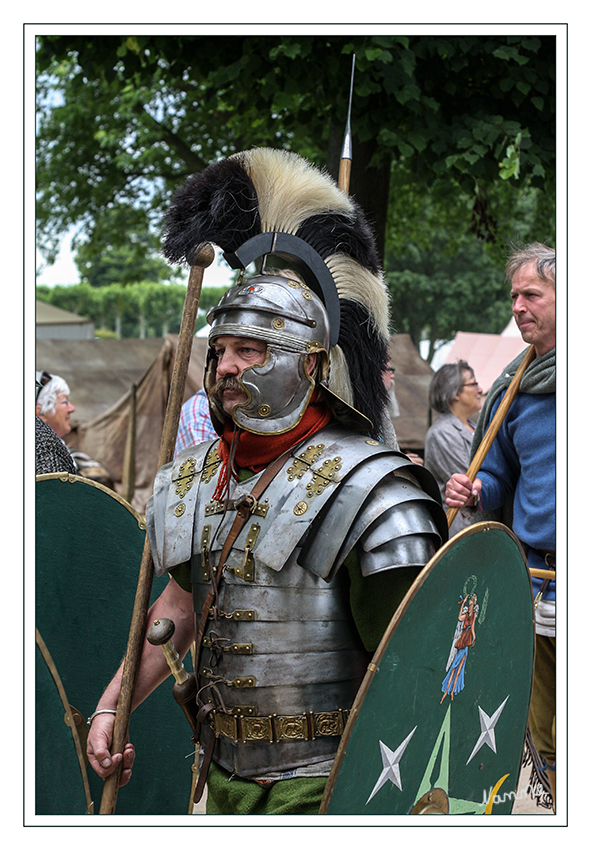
point(227, 383)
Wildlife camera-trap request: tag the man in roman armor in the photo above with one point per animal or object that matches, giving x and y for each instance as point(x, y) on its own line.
point(292, 538)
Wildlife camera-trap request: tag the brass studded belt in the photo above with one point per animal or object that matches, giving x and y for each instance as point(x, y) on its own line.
point(273, 728)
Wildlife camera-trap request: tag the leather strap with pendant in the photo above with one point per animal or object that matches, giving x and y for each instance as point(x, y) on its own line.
point(243, 509)
point(242, 514)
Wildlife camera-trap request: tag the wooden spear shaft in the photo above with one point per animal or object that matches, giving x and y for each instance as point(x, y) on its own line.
point(347, 150)
point(202, 258)
point(494, 426)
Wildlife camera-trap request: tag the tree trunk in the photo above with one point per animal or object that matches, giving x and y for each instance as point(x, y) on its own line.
point(371, 189)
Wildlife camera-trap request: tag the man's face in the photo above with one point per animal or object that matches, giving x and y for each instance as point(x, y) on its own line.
point(234, 354)
point(534, 308)
point(59, 419)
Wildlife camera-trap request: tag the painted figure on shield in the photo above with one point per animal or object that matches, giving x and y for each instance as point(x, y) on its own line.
point(464, 638)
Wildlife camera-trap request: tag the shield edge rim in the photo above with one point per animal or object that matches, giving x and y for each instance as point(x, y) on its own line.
point(79, 747)
point(69, 478)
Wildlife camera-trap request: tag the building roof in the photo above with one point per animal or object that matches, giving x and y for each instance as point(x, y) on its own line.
point(487, 354)
point(48, 314)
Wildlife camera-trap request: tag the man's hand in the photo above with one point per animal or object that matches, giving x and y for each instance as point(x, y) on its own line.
point(98, 749)
point(460, 492)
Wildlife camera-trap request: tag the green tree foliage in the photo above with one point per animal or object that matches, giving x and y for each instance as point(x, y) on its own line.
point(435, 294)
point(136, 115)
point(441, 279)
point(461, 125)
point(140, 310)
point(120, 249)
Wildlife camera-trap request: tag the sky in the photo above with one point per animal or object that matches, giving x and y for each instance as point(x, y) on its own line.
point(65, 273)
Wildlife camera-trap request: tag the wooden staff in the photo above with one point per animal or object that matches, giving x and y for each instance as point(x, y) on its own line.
point(494, 426)
point(550, 574)
point(128, 475)
point(202, 257)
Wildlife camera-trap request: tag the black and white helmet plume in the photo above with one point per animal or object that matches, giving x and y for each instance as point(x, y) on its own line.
point(275, 209)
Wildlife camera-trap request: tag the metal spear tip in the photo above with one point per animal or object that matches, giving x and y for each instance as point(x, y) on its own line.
point(160, 632)
point(201, 255)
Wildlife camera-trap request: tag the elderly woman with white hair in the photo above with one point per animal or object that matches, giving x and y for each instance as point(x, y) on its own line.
point(455, 395)
point(51, 453)
point(53, 409)
point(53, 404)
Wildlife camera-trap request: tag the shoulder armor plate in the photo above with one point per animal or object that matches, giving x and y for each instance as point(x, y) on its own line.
point(170, 512)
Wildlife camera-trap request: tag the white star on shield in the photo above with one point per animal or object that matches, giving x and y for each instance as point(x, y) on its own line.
point(487, 729)
point(390, 762)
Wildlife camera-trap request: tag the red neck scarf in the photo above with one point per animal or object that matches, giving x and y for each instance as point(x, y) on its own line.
point(257, 451)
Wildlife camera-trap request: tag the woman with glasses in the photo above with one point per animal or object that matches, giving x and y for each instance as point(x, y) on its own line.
point(455, 395)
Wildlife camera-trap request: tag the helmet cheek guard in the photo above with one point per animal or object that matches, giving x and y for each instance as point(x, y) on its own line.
point(271, 409)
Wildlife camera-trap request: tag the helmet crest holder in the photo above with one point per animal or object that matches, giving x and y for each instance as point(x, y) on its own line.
point(303, 259)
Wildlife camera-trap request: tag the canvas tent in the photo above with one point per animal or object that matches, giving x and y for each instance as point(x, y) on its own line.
point(412, 379)
point(101, 375)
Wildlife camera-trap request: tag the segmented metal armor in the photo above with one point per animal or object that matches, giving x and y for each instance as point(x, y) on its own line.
point(281, 659)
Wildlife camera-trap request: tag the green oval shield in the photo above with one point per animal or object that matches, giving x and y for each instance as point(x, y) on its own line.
point(444, 703)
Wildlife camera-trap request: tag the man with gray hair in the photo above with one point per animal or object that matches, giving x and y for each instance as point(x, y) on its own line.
point(519, 471)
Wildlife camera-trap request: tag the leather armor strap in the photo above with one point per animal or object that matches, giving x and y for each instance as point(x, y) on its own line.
point(242, 514)
point(202, 716)
point(548, 556)
point(243, 509)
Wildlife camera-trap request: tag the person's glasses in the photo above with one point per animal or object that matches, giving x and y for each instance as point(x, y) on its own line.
point(472, 384)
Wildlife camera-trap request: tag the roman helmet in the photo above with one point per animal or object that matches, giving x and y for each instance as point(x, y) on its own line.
point(319, 288)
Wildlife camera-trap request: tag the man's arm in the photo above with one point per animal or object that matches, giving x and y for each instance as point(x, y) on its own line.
point(176, 604)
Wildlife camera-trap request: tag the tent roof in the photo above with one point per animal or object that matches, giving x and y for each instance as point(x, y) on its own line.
point(100, 371)
point(100, 374)
point(487, 354)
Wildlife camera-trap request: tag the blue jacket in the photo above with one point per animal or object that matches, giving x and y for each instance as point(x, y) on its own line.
point(522, 461)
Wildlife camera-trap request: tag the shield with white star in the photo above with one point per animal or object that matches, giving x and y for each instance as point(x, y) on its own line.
point(442, 711)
